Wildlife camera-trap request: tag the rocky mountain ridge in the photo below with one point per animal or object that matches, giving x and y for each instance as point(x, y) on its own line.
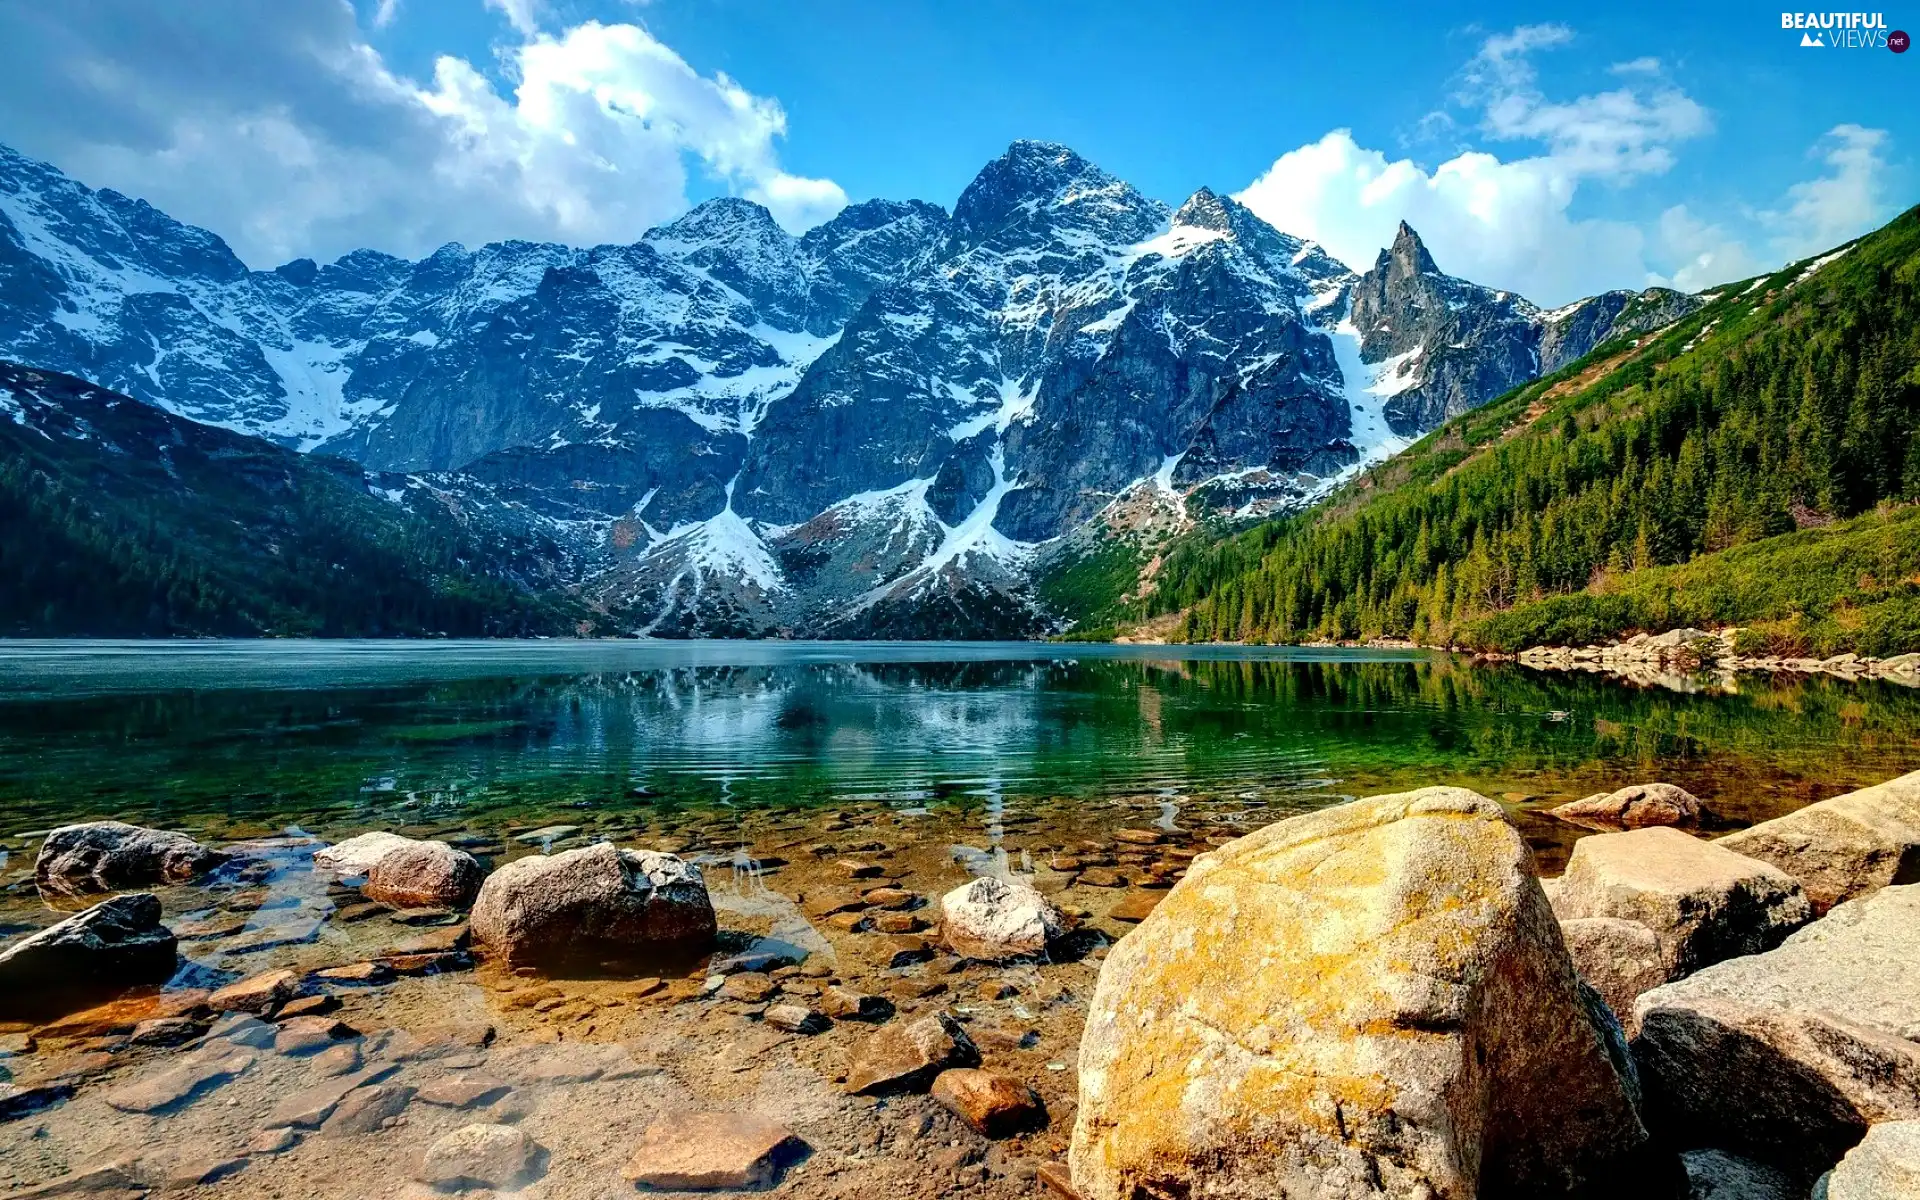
point(871, 429)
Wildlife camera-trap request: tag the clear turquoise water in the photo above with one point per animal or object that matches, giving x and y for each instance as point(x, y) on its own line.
point(245, 736)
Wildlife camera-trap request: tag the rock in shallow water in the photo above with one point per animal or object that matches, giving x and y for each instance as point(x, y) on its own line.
point(1641, 806)
point(105, 856)
point(424, 874)
point(116, 944)
point(593, 905)
point(483, 1156)
point(1369, 1000)
point(1788, 1056)
point(906, 1057)
point(711, 1151)
point(357, 855)
point(993, 919)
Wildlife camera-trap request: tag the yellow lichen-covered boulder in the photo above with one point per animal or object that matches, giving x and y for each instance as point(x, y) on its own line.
point(1369, 1000)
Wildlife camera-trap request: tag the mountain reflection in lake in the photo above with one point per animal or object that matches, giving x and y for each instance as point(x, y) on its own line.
point(266, 735)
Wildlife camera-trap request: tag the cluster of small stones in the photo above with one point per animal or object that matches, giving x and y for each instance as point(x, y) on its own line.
point(1682, 654)
point(833, 1044)
point(953, 1073)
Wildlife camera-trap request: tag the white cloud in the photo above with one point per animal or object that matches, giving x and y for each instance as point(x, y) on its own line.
point(1511, 223)
point(288, 134)
point(1847, 199)
point(523, 15)
point(1500, 223)
point(1836, 206)
point(383, 15)
point(601, 103)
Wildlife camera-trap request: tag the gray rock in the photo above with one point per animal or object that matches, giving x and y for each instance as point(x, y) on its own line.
point(424, 874)
point(593, 905)
point(118, 943)
point(1718, 1175)
point(1788, 1056)
point(106, 856)
point(1845, 847)
point(485, 1156)
point(358, 854)
point(1884, 1166)
point(993, 920)
point(1702, 901)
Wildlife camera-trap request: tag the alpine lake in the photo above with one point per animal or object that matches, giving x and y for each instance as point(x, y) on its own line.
point(798, 776)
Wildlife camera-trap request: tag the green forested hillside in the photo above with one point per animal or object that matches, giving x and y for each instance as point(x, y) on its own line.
point(1629, 490)
point(118, 519)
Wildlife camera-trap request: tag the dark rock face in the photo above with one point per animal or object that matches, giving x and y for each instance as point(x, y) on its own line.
point(723, 429)
point(118, 943)
point(1451, 345)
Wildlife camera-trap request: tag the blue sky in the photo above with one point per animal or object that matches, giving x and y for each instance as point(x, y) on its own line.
point(1555, 149)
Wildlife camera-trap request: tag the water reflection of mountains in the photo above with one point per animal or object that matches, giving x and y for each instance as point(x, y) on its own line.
point(806, 731)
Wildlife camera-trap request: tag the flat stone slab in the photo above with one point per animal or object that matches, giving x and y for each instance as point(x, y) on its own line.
point(712, 1151)
point(367, 1109)
point(177, 1085)
point(463, 1091)
point(546, 833)
point(905, 1057)
point(310, 1106)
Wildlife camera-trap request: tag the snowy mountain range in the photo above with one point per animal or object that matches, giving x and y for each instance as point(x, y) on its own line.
point(874, 429)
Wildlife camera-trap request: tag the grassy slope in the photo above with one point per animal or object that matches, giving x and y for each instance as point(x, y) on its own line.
point(1850, 585)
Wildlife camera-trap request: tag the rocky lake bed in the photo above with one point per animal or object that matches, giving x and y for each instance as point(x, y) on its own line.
point(855, 1003)
point(823, 921)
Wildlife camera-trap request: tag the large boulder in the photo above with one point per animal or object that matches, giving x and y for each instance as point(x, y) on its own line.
point(1884, 1166)
point(424, 874)
point(1702, 902)
point(358, 854)
point(598, 905)
point(1844, 847)
point(1618, 959)
point(1641, 806)
point(1369, 1000)
point(992, 919)
point(116, 944)
point(108, 856)
point(1788, 1056)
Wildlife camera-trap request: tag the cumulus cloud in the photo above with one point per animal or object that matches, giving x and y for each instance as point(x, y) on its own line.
point(1511, 222)
point(281, 128)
